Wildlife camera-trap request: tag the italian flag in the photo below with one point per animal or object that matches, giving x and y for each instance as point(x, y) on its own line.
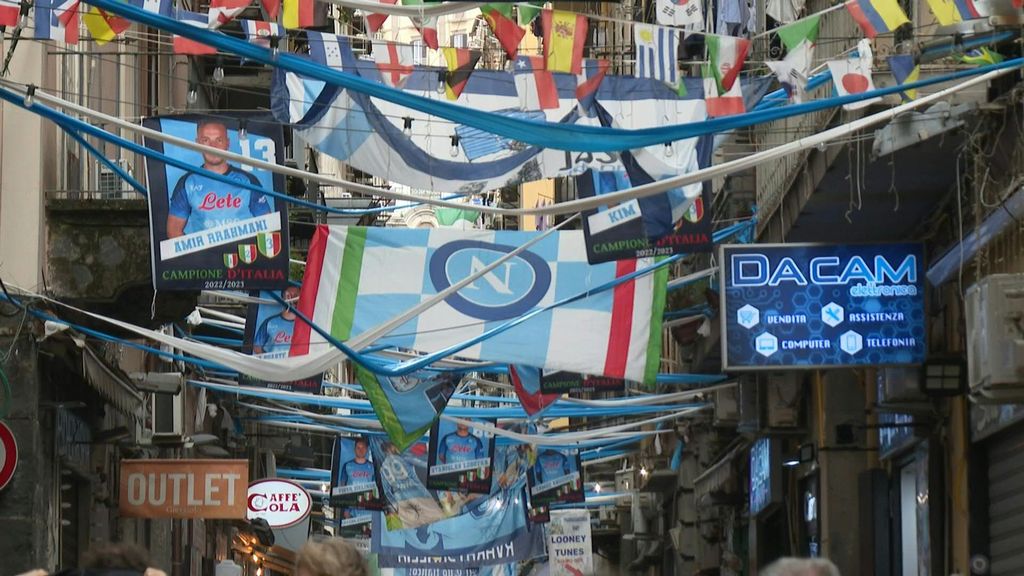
point(344, 294)
point(726, 55)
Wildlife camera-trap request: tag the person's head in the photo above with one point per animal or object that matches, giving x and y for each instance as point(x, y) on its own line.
point(801, 567)
point(213, 133)
point(290, 296)
point(330, 557)
point(361, 448)
point(461, 429)
point(116, 556)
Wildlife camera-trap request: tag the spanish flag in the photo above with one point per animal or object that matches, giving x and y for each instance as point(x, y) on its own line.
point(461, 62)
point(298, 13)
point(564, 35)
point(104, 27)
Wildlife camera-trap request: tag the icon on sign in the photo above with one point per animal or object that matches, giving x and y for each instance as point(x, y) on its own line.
point(766, 344)
point(851, 342)
point(748, 316)
point(833, 314)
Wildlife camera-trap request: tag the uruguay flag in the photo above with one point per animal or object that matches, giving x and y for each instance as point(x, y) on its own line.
point(657, 49)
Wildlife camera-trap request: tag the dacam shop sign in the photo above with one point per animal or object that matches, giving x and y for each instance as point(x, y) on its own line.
point(812, 305)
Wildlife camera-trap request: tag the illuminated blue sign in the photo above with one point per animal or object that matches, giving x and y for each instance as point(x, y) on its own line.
point(764, 466)
point(810, 306)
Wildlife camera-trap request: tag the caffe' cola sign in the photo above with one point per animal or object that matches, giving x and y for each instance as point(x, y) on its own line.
point(281, 503)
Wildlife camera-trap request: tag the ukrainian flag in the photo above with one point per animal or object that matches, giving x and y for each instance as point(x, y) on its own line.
point(905, 69)
point(877, 16)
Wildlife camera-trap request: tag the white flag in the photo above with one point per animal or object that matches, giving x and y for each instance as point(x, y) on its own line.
point(853, 76)
point(792, 70)
point(681, 13)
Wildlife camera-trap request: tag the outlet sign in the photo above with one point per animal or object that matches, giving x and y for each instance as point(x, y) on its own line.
point(814, 305)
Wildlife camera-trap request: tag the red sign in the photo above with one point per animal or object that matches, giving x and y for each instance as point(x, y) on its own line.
point(8, 455)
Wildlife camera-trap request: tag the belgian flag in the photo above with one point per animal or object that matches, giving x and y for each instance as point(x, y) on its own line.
point(461, 62)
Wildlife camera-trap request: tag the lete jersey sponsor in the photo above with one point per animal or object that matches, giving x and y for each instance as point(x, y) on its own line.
point(206, 203)
point(550, 465)
point(354, 473)
point(274, 335)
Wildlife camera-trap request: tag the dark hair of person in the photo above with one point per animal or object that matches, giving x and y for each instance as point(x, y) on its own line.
point(116, 556)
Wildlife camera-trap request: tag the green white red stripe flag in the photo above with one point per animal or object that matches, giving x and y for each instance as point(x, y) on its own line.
point(726, 55)
point(357, 278)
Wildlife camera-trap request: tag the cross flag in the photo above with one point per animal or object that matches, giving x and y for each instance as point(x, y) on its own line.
point(395, 62)
point(656, 52)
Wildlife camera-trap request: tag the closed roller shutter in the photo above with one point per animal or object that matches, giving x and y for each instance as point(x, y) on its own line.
point(1006, 503)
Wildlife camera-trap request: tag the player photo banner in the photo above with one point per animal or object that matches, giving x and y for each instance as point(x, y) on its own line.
point(268, 334)
point(562, 382)
point(407, 406)
point(355, 523)
point(213, 233)
point(461, 458)
point(555, 476)
point(354, 480)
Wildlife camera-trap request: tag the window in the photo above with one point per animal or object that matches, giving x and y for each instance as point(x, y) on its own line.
point(460, 40)
point(419, 52)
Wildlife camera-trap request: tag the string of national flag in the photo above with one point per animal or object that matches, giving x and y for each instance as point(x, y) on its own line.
point(563, 39)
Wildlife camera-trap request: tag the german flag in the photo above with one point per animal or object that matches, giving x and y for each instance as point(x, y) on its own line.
point(461, 62)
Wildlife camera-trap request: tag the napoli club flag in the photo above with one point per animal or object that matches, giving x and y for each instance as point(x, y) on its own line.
point(211, 220)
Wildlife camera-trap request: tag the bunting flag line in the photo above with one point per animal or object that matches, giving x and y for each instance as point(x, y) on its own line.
point(394, 60)
point(905, 69)
point(564, 36)
point(407, 406)
point(327, 49)
point(104, 27)
point(589, 81)
point(259, 32)
point(680, 13)
point(461, 62)
point(56, 20)
point(981, 57)
point(374, 21)
point(508, 33)
point(184, 45)
point(853, 75)
point(427, 26)
point(726, 55)
point(949, 12)
point(656, 52)
point(727, 104)
point(357, 277)
point(877, 16)
point(224, 11)
point(535, 84)
point(272, 8)
point(298, 13)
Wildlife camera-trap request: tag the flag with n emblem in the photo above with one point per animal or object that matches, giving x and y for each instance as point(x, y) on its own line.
point(461, 62)
point(269, 244)
point(231, 260)
point(247, 253)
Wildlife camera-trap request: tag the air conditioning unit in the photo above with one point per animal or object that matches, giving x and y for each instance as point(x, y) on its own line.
point(109, 184)
point(995, 334)
point(167, 417)
point(727, 410)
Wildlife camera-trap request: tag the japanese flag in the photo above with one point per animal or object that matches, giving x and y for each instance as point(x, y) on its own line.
point(853, 76)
